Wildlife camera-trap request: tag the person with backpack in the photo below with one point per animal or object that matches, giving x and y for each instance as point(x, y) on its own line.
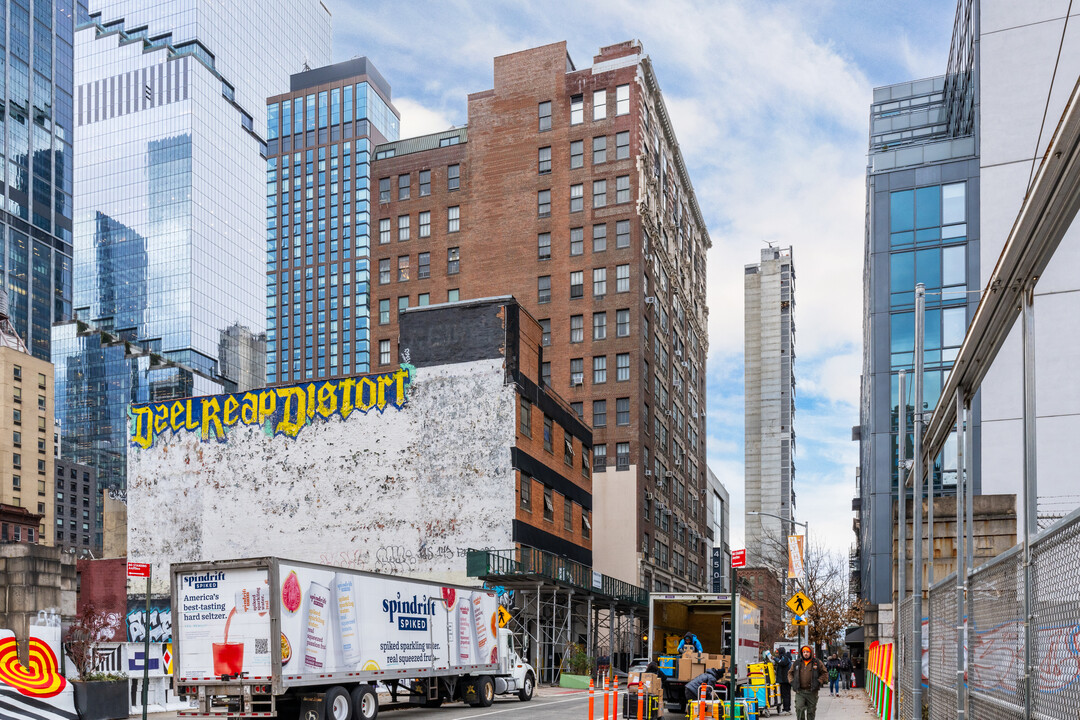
point(833, 668)
point(845, 672)
point(782, 664)
point(807, 675)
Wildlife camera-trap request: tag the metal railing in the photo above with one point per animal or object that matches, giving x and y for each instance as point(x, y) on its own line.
point(995, 681)
point(532, 561)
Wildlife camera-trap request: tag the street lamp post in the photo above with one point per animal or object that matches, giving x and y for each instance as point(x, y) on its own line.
point(806, 529)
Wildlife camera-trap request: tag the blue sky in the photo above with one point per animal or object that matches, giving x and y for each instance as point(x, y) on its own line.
point(770, 103)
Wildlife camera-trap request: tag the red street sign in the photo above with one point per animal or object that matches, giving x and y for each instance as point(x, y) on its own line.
point(138, 569)
point(738, 558)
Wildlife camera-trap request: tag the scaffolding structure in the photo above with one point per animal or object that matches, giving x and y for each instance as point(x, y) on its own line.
point(559, 608)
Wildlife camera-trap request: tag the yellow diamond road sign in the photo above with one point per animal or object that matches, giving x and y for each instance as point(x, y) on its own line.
point(799, 603)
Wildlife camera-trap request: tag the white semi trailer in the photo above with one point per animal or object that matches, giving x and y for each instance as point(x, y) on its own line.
point(268, 637)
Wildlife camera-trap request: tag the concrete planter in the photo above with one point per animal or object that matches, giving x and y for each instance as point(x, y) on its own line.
point(101, 700)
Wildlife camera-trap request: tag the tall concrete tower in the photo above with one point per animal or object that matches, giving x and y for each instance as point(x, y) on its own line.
point(770, 406)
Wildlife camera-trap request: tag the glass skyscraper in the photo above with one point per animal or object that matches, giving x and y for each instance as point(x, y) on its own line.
point(170, 119)
point(318, 219)
point(922, 227)
point(36, 128)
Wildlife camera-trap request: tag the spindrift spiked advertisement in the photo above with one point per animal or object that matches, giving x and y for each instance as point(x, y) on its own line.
point(277, 624)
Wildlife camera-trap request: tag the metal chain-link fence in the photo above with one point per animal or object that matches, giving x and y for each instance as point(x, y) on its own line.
point(942, 649)
point(903, 661)
point(995, 668)
point(1055, 565)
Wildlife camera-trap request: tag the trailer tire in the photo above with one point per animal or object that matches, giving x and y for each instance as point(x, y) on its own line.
point(485, 691)
point(339, 704)
point(365, 702)
point(526, 692)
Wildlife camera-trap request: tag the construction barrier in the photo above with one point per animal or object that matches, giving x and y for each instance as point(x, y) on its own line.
point(879, 678)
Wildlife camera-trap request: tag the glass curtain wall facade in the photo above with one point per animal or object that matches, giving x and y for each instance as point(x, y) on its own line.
point(170, 102)
point(318, 217)
point(922, 227)
point(36, 132)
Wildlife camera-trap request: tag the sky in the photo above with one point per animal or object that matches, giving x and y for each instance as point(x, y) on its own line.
point(770, 102)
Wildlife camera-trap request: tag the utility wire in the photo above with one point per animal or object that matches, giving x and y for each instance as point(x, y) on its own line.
point(1050, 91)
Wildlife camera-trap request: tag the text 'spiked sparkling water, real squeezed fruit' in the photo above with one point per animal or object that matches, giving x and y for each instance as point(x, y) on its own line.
point(318, 621)
point(348, 628)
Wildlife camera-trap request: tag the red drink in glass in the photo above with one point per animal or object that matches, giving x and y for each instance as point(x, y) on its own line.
point(228, 658)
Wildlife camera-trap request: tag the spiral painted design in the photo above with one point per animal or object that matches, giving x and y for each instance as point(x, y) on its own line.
point(41, 679)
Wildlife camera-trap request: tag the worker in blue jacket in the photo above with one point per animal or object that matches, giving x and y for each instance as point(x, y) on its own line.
point(690, 640)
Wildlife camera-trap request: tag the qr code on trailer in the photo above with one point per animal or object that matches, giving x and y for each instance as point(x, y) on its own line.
point(262, 646)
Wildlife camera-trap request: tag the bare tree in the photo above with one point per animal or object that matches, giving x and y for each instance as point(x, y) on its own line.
point(825, 583)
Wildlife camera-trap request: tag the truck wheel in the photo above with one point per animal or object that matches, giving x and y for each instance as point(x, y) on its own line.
point(338, 703)
point(365, 702)
point(485, 691)
point(526, 691)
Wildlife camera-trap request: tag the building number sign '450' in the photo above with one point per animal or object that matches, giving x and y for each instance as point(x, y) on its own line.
point(283, 410)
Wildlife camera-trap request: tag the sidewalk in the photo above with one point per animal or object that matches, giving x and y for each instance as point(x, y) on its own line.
point(851, 705)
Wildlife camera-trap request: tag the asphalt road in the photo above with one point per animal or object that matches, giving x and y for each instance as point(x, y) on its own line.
point(547, 704)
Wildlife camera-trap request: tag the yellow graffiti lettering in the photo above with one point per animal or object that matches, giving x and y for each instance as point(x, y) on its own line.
point(249, 412)
point(327, 399)
point(176, 416)
point(190, 423)
point(385, 381)
point(210, 409)
point(228, 414)
point(400, 378)
point(142, 426)
point(367, 393)
point(267, 404)
point(161, 419)
point(311, 400)
point(346, 386)
point(294, 414)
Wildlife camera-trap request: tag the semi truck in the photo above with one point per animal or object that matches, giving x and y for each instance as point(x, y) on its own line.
point(274, 638)
point(709, 617)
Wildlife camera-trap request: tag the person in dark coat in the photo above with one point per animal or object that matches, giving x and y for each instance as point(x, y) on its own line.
point(782, 664)
point(653, 668)
point(807, 675)
point(708, 678)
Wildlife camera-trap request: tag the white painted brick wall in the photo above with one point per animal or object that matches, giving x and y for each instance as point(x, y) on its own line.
point(406, 491)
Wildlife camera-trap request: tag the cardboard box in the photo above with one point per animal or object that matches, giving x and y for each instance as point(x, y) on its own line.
point(689, 668)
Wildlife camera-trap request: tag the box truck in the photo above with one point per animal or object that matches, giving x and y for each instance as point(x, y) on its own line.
point(269, 637)
point(708, 616)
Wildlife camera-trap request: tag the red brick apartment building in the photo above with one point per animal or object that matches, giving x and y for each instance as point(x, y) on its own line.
point(567, 190)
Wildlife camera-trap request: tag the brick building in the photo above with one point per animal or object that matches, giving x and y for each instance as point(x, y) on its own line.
point(568, 190)
point(76, 492)
point(761, 585)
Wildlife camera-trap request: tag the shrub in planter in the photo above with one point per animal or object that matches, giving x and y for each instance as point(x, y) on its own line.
point(98, 695)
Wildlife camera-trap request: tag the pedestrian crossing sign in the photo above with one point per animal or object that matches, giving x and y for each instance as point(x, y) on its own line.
point(799, 603)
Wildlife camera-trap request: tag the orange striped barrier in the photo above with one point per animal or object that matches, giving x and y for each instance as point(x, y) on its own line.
point(592, 700)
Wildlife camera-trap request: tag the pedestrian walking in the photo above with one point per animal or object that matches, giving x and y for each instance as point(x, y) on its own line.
point(845, 673)
point(782, 665)
point(807, 675)
point(833, 668)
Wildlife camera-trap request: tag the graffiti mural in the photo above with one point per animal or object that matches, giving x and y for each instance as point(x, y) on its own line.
point(35, 690)
point(159, 623)
point(280, 411)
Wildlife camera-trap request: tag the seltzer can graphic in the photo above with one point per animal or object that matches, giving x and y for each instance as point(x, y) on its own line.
point(484, 642)
point(465, 647)
point(318, 617)
point(348, 627)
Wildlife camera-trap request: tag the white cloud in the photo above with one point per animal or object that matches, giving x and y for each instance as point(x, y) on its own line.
point(771, 115)
point(416, 119)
